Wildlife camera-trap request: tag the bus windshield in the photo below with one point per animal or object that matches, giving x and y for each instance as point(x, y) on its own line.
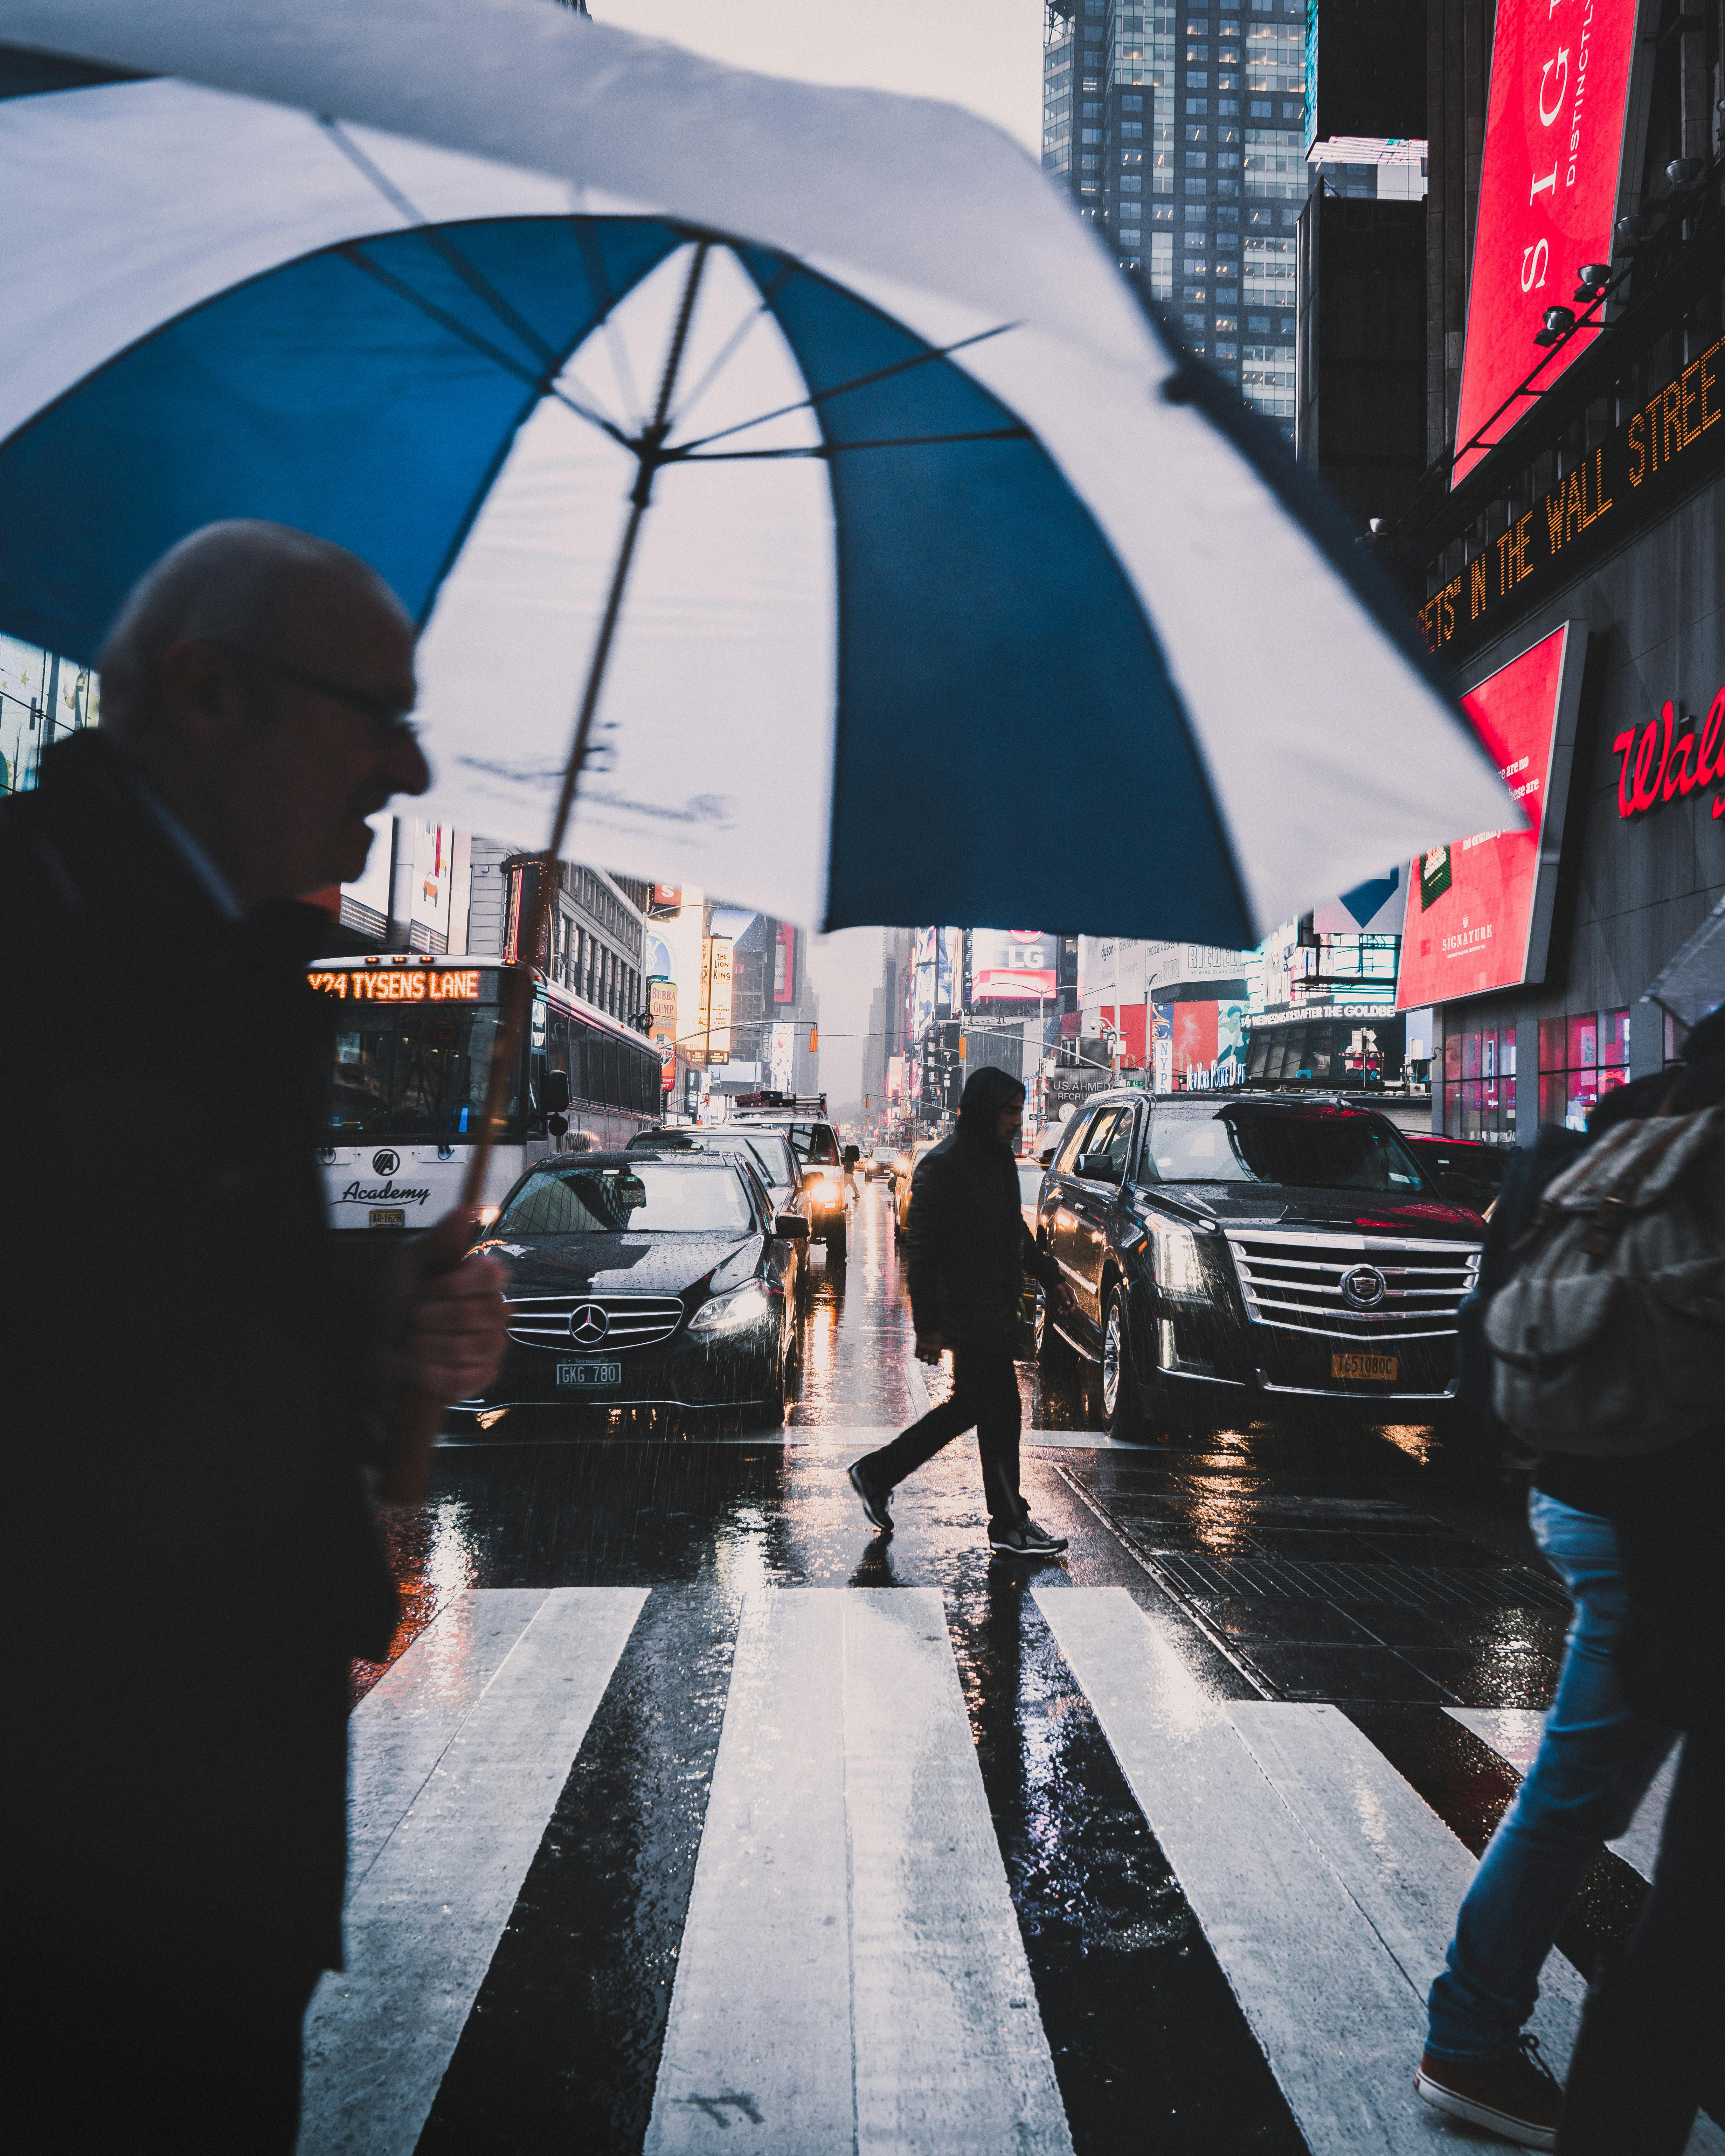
point(679, 1196)
point(409, 1071)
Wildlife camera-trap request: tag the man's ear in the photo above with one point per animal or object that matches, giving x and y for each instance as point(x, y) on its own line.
point(202, 695)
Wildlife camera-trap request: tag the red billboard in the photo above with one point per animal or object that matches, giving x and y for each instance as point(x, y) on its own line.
point(1012, 965)
point(1479, 911)
point(1549, 178)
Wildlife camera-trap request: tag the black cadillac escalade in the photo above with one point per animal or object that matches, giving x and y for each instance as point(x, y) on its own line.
point(1225, 1250)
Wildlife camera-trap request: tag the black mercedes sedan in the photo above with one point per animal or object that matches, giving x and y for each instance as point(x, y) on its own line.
point(1227, 1252)
point(643, 1279)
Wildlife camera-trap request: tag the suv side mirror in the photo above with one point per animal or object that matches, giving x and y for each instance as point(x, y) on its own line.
point(790, 1227)
point(1096, 1167)
point(554, 1095)
point(852, 1155)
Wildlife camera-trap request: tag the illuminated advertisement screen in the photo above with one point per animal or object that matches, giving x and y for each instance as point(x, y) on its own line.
point(1477, 916)
point(1012, 965)
point(1548, 189)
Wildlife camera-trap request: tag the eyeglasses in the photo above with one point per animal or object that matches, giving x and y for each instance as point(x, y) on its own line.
point(390, 723)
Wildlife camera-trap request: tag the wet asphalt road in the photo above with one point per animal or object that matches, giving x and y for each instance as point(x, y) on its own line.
point(1363, 1569)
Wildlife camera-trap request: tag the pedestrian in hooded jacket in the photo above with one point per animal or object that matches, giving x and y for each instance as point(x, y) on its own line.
point(196, 1374)
point(966, 1250)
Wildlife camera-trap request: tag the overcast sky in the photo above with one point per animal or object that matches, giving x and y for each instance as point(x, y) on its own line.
point(984, 54)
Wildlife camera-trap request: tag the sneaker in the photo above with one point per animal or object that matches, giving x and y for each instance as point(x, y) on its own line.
point(1515, 2096)
point(873, 1501)
point(1026, 1539)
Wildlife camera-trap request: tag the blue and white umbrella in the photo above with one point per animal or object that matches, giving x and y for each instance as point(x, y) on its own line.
point(961, 598)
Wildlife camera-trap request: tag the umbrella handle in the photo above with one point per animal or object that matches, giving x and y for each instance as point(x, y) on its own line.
point(416, 1426)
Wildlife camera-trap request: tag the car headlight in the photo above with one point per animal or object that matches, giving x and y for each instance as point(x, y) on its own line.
point(731, 1313)
point(1178, 1271)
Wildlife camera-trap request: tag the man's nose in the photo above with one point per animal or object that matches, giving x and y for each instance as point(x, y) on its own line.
point(405, 767)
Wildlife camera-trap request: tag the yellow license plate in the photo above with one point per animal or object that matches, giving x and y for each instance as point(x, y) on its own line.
point(1366, 1369)
point(389, 1217)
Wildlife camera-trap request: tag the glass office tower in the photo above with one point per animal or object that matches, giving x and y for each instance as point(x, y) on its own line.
point(1181, 131)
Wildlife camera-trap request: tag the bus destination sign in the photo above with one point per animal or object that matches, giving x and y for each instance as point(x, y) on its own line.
point(416, 984)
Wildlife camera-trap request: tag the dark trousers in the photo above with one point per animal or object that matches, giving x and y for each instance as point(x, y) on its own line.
point(985, 1396)
point(162, 2060)
point(1647, 2055)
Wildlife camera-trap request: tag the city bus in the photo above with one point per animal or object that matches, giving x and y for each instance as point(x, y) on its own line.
point(414, 1039)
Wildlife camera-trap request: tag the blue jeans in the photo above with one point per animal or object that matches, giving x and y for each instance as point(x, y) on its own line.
point(1591, 1769)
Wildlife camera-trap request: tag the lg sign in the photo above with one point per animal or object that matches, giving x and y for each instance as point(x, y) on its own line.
point(1548, 186)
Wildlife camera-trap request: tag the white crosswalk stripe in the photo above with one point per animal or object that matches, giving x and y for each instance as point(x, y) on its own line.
point(1513, 1733)
point(1325, 1885)
point(459, 1753)
point(851, 1975)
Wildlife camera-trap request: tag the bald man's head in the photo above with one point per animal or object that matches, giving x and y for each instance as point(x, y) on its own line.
point(252, 586)
point(262, 679)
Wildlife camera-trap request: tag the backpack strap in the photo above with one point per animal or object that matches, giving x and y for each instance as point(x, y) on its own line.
point(1612, 1208)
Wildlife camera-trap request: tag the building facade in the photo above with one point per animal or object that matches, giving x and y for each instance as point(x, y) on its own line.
point(1180, 132)
point(43, 698)
point(1583, 553)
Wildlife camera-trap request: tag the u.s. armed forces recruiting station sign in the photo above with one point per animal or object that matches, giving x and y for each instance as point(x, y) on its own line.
point(1635, 475)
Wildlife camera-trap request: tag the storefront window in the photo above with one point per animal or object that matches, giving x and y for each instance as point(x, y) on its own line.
point(1580, 1058)
point(1480, 1084)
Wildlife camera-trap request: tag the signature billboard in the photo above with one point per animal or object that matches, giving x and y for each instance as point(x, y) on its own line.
point(1550, 179)
point(1012, 965)
point(1479, 911)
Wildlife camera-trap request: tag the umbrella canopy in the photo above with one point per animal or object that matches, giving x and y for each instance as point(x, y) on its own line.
point(962, 597)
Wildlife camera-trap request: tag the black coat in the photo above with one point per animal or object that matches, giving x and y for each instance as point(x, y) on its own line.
point(189, 1384)
point(967, 1249)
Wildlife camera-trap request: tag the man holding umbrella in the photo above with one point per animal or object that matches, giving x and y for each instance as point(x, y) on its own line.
point(194, 1387)
point(966, 1249)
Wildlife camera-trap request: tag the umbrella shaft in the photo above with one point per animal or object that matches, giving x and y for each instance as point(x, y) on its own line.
point(519, 996)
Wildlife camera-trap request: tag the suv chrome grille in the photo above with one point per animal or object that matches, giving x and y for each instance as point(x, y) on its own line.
point(631, 1320)
point(1292, 1278)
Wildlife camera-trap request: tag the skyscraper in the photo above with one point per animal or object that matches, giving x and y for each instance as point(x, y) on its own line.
point(1181, 131)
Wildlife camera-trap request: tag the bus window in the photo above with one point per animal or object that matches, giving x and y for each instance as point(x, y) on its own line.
point(406, 1073)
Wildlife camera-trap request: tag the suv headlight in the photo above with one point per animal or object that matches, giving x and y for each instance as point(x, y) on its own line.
point(731, 1313)
point(1179, 1268)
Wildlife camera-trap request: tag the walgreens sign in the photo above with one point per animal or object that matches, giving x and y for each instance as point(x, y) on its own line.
point(1670, 758)
point(1548, 189)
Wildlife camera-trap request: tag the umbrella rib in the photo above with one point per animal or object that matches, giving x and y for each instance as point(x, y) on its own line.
point(818, 397)
point(729, 347)
point(545, 386)
point(833, 449)
point(600, 285)
point(480, 286)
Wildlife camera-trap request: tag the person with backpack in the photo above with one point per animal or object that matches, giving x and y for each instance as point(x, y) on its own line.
point(1598, 1753)
point(1649, 2054)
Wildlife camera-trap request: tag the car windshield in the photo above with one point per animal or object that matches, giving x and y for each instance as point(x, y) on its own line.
point(777, 1166)
point(1311, 1149)
point(769, 1150)
point(814, 1144)
point(569, 1198)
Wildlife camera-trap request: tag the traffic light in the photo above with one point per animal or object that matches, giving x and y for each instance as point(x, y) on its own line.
point(813, 1038)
